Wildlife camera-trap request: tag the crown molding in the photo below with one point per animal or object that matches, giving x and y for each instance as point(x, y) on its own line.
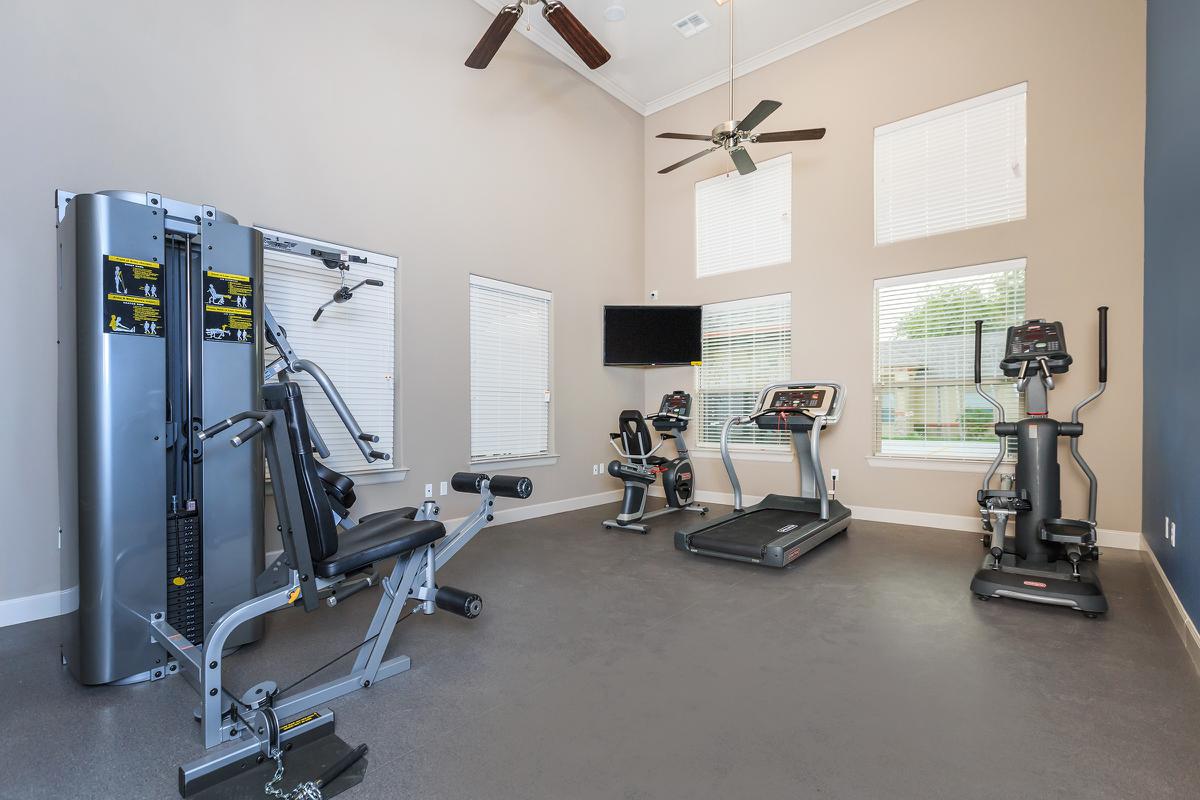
point(789, 48)
point(568, 57)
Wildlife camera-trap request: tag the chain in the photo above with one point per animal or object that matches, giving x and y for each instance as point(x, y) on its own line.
point(305, 791)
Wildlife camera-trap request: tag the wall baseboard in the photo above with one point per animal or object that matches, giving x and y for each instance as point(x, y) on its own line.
point(1121, 540)
point(38, 606)
point(52, 604)
point(1180, 618)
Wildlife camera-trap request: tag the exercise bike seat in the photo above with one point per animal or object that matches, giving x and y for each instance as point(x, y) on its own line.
point(1067, 531)
point(374, 540)
point(656, 461)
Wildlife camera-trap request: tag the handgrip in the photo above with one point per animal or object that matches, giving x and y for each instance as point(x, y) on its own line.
point(511, 486)
point(978, 351)
point(341, 765)
point(253, 429)
point(373, 282)
point(1103, 343)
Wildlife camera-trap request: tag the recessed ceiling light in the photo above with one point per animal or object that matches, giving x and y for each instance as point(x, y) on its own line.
point(615, 12)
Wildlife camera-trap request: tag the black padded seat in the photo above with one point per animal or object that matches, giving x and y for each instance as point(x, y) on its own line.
point(340, 486)
point(404, 512)
point(383, 537)
point(655, 461)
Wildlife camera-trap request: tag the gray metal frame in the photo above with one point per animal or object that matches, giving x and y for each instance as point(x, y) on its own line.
point(290, 578)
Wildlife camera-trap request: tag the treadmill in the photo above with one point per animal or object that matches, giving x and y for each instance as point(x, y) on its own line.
point(781, 528)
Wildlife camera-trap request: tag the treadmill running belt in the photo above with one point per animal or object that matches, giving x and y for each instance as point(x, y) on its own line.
point(748, 535)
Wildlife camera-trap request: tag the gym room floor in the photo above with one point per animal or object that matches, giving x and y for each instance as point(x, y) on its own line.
point(608, 665)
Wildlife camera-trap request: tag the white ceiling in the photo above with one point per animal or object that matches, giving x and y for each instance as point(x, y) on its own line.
point(654, 67)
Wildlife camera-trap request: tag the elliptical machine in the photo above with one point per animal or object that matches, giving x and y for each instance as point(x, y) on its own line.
point(1050, 559)
point(642, 468)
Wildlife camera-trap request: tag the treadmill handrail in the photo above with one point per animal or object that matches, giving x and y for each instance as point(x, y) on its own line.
point(725, 457)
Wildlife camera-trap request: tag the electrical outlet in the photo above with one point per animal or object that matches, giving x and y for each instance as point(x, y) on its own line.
point(428, 490)
point(444, 489)
point(595, 469)
point(1172, 534)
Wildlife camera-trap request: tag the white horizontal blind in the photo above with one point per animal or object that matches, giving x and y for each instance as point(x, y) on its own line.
point(926, 406)
point(958, 167)
point(510, 370)
point(354, 342)
point(745, 221)
point(747, 345)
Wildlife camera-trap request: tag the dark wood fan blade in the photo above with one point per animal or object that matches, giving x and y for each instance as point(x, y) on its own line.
point(806, 135)
point(573, 33)
point(496, 33)
point(742, 160)
point(691, 137)
point(687, 161)
point(761, 111)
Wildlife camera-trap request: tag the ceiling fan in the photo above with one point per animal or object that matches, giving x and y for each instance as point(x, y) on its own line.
point(733, 135)
point(560, 18)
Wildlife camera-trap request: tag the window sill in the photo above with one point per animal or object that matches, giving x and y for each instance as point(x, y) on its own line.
point(546, 460)
point(393, 475)
point(779, 456)
point(937, 465)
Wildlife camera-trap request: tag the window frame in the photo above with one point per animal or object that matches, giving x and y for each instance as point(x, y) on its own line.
point(724, 179)
point(766, 451)
point(992, 377)
point(548, 456)
point(961, 107)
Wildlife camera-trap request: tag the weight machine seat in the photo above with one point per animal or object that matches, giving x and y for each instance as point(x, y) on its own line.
point(384, 536)
point(339, 485)
point(333, 555)
point(406, 512)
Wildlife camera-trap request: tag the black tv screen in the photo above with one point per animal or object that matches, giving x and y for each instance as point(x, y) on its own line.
point(645, 336)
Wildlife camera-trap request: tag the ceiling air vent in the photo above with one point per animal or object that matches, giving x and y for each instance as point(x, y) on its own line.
point(692, 24)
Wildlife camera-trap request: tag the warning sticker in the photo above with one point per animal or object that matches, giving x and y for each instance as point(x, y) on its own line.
point(296, 723)
point(133, 296)
point(228, 308)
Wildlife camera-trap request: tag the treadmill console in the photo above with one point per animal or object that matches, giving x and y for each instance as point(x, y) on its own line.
point(673, 412)
point(794, 407)
point(1036, 341)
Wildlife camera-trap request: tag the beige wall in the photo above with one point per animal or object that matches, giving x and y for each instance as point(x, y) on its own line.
point(354, 123)
point(1085, 64)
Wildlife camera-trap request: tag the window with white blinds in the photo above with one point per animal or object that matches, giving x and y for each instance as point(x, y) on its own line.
point(354, 342)
point(745, 221)
point(510, 370)
point(957, 167)
point(926, 406)
point(747, 345)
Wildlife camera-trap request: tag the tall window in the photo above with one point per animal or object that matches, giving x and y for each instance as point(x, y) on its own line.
point(747, 345)
point(957, 167)
point(355, 342)
point(510, 370)
point(745, 221)
point(926, 406)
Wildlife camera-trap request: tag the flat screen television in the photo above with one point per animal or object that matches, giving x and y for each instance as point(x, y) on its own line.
point(651, 336)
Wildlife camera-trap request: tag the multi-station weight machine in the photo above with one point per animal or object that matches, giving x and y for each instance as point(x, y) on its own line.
point(162, 328)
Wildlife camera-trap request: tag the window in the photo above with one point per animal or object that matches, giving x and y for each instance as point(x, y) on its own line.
point(510, 370)
point(354, 342)
point(926, 406)
point(745, 221)
point(953, 168)
point(747, 346)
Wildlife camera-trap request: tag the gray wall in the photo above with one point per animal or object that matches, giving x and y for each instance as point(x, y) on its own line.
point(351, 122)
point(1171, 453)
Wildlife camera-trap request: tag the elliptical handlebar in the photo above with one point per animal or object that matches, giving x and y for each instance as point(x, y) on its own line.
point(1103, 344)
point(978, 352)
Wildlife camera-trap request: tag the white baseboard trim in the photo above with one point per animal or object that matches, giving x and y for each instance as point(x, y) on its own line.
point(1121, 540)
point(38, 606)
point(1179, 616)
point(51, 604)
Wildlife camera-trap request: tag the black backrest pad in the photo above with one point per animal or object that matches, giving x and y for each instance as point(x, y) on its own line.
point(635, 436)
point(318, 514)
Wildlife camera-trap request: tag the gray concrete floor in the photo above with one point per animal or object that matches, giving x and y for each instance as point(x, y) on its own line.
point(608, 665)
